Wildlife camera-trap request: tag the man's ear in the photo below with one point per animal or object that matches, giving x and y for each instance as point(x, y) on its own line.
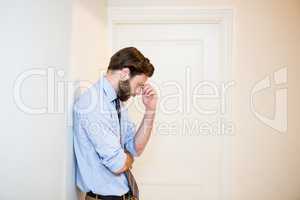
point(125, 74)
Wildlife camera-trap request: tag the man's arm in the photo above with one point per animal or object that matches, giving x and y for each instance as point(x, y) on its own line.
point(141, 139)
point(98, 128)
point(144, 131)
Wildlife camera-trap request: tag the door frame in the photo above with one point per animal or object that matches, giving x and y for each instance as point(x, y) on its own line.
point(186, 15)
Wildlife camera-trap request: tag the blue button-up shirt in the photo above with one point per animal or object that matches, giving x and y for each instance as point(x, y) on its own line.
point(98, 142)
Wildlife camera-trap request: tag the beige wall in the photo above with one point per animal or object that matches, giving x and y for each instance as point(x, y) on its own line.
point(89, 53)
point(264, 163)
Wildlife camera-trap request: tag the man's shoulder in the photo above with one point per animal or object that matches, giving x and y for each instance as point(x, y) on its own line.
point(88, 99)
point(92, 101)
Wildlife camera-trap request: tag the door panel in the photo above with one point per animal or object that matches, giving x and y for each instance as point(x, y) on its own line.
point(183, 159)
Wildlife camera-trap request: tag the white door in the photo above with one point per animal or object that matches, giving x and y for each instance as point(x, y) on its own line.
point(184, 157)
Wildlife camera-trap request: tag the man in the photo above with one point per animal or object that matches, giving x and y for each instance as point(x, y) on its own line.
point(105, 140)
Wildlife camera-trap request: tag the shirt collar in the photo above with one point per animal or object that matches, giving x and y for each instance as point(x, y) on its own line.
point(109, 90)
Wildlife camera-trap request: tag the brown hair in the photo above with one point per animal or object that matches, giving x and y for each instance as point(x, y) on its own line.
point(132, 58)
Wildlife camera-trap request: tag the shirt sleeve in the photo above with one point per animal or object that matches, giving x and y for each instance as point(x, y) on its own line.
point(105, 140)
point(130, 128)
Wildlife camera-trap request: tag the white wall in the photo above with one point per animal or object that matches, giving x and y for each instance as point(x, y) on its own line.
point(34, 34)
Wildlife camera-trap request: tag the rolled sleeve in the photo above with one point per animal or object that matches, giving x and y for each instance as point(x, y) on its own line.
point(115, 161)
point(130, 138)
point(106, 142)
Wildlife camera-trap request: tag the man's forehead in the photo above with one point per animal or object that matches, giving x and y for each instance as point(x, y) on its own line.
point(141, 79)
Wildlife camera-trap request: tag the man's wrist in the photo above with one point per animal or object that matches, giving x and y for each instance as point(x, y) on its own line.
point(150, 110)
point(149, 116)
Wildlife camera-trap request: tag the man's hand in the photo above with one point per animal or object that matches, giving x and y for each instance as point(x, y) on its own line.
point(149, 97)
point(128, 164)
point(129, 161)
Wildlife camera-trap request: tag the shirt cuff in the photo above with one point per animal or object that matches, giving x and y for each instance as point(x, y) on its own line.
point(118, 162)
point(130, 147)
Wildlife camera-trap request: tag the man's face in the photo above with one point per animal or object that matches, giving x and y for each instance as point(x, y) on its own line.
point(137, 84)
point(131, 87)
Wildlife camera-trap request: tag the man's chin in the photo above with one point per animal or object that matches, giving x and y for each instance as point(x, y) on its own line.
point(124, 99)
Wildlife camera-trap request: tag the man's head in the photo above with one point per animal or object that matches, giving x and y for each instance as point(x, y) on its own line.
point(134, 70)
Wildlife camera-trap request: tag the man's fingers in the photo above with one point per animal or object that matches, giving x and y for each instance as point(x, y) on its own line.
point(152, 93)
point(147, 90)
point(147, 85)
